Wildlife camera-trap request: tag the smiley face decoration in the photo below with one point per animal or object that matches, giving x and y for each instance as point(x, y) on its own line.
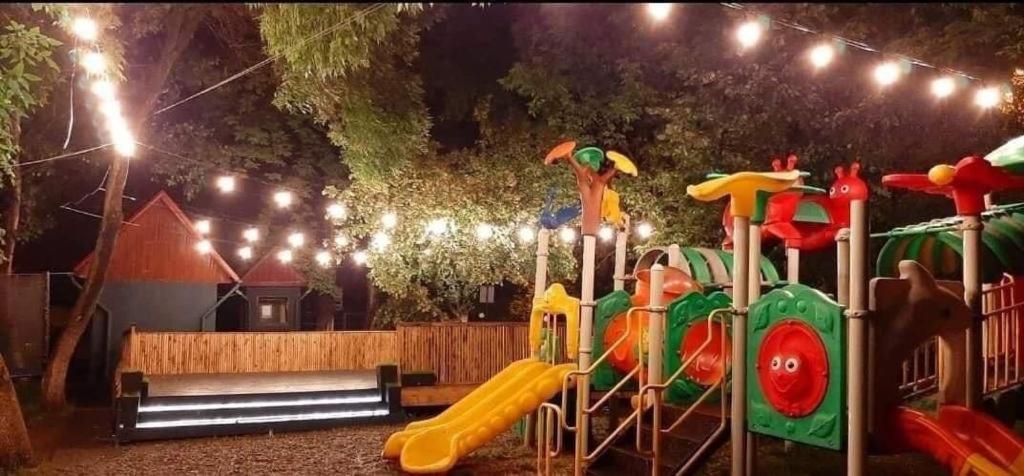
point(792, 368)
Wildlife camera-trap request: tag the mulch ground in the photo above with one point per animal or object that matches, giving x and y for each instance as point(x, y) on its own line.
point(80, 444)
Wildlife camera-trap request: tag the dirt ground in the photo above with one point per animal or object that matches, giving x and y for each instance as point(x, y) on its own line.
point(80, 444)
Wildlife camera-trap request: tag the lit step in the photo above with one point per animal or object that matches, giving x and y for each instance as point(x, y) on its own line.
point(335, 415)
point(172, 407)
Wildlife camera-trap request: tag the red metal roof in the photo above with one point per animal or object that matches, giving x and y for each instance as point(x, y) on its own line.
point(270, 271)
point(158, 244)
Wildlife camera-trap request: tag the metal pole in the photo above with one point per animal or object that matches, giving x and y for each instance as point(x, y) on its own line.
point(972, 227)
point(655, 345)
point(753, 294)
point(621, 240)
point(540, 280)
point(741, 235)
point(586, 344)
point(843, 266)
point(675, 256)
point(792, 265)
point(857, 395)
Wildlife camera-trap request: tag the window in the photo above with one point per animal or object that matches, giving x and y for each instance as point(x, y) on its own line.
point(273, 310)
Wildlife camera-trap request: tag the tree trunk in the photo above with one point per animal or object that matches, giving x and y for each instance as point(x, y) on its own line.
point(15, 448)
point(181, 26)
point(11, 208)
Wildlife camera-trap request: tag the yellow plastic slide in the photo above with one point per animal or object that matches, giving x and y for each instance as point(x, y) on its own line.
point(435, 445)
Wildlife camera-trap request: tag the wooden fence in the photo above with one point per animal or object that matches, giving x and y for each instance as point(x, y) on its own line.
point(458, 353)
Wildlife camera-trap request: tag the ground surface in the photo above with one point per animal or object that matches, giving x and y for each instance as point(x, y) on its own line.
point(80, 444)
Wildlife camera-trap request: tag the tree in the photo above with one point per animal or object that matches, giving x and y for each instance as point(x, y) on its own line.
point(178, 25)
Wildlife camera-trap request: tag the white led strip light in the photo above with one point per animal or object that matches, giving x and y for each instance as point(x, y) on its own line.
point(257, 404)
point(262, 419)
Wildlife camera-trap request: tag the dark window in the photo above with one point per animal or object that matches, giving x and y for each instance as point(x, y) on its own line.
point(273, 310)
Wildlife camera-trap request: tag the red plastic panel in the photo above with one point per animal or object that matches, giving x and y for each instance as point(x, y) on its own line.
point(792, 368)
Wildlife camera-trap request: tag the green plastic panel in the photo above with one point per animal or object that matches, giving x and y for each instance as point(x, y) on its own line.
point(608, 307)
point(811, 212)
point(682, 314)
point(826, 426)
point(698, 265)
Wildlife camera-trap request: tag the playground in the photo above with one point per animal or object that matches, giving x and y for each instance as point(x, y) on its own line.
point(598, 293)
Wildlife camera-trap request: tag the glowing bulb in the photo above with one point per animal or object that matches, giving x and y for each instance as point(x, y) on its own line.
point(285, 256)
point(986, 98)
point(336, 211)
point(283, 199)
point(245, 252)
point(567, 235)
point(380, 241)
point(124, 142)
point(226, 183)
point(389, 220)
point(296, 240)
point(204, 247)
point(526, 234)
point(203, 227)
point(341, 241)
point(94, 63)
point(251, 235)
point(110, 109)
point(822, 55)
point(104, 89)
point(659, 11)
point(749, 33)
point(943, 87)
point(606, 233)
point(359, 257)
point(323, 258)
point(644, 230)
point(437, 227)
point(85, 28)
point(887, 73)
point(484, 231)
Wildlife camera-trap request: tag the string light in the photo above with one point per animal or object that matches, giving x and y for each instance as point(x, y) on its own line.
point(285, 256)
point(283, 198)
point(644, 230)
point(606, 233)
point(389, 220)
point(484, 231)
point(380, 241)
point(887, 73)
point(204, 247)
point(341, 240)
point(822, 55)
point(103, 89)
point(296, 239)
point(245, 252)
point(251, 235)
point(987, 98)
point(749, 33)
point(203, 227)
point(85, 28)
point(526, 234)
point(659, 11)
point(567, 235)
point(943, 87)
point(110, 109)
point(336, 211)
point(437, 227)
point(94, 63)
point(360, 257)
point(226, 183)
point(323, 258)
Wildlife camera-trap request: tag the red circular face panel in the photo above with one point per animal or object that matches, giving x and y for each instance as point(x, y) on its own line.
point(624, 358)
point(792, 368)
point(707, 367)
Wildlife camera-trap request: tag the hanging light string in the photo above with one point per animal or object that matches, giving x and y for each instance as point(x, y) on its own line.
point(860, 45)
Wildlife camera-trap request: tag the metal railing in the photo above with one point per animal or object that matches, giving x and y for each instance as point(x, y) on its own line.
point(1002, 311)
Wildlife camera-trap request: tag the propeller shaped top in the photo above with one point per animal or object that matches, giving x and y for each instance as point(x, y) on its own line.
point(966, 183)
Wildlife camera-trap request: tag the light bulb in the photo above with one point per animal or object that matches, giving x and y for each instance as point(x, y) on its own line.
point(887, 73)
point(323, 258)
point(110, 109)
point(245, 252)
point(85, 28)
point(204, 247)
point(285, 256)
point(226, 183)
point(943, 87)
point(484, 231)
point(526, 234)
point(124, 142)
point(986, 98)
point(103, 89)
point(203, 227)
point(644, 230)
point(567, 235)
point(389, 220)
point(251, 235)
point(336, 211)
point(360, 257)
point(94, 63)
point(749, 33)
point(659, 11)
point(437, 227)
point(822, 55)
point(283, 199)
point(606, 233)
point(296, 240)
point(340, 240)
point(380, 241)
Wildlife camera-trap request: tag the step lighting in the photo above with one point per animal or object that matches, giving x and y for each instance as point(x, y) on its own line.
point(258, 404)
point(263, 419)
